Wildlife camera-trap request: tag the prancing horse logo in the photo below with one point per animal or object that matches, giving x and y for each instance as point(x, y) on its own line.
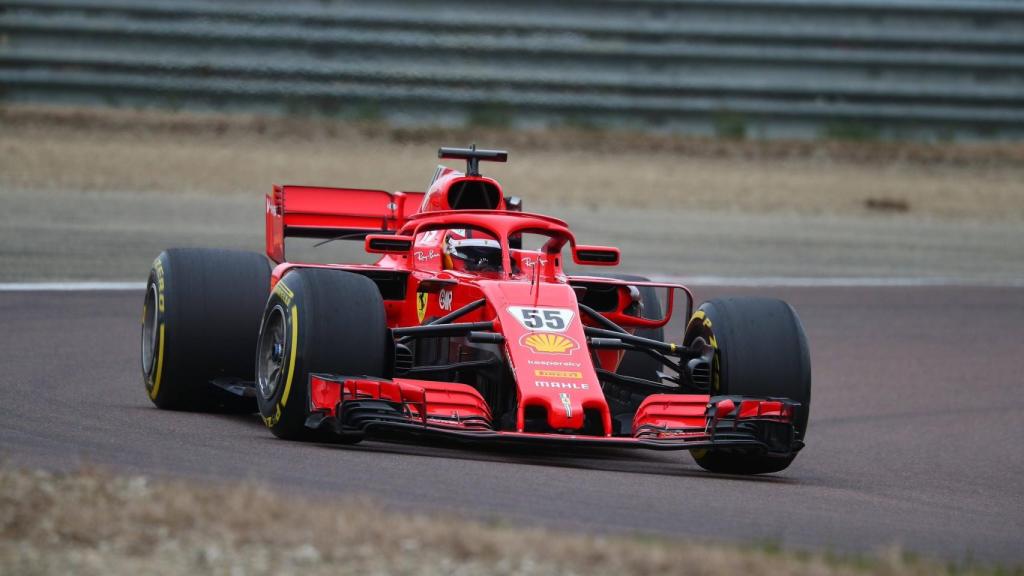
point(421, 305)
point(567, 404)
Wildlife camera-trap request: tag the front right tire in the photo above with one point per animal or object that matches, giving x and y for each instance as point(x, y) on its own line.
point(317, 321)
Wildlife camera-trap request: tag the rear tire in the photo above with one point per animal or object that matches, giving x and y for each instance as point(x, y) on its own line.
point(317, 321)
point(200, 320)
point(761, 351)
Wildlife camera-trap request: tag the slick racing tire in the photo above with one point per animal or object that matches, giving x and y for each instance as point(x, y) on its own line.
point(317, 321)
point(200, 321)
point(760, 350)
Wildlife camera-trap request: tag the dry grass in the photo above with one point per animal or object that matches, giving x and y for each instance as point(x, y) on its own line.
point(75, 150)
point(96, 523)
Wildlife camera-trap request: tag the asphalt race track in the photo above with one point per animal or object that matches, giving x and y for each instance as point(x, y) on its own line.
point(916, 434)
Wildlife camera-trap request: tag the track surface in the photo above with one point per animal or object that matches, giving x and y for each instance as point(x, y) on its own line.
point(915, 434)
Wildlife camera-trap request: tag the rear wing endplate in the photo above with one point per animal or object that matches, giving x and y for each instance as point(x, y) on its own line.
point(317, 212)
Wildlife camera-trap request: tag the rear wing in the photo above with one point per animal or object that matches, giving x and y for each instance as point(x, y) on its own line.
point(316, 212)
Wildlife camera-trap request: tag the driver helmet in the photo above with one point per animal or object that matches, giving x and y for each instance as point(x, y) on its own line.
point(472, 254)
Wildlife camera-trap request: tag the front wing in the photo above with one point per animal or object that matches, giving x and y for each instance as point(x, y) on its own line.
point(364, 406)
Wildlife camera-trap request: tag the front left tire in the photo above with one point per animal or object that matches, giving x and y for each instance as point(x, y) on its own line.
point(760, 351)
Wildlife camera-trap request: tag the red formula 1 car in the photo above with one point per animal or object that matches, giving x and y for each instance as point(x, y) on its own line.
point(468, 327)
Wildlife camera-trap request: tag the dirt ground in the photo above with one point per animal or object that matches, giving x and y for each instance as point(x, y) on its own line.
point(139, 151)
point(92, 522)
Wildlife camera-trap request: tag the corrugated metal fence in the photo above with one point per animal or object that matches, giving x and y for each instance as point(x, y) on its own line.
point(848, 68)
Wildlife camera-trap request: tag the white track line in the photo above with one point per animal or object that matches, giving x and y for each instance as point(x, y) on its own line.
point(69, 286)
point(838, 282)
point(732, 281)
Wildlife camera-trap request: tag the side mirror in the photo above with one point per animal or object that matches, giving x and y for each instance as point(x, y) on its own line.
point(388, 244)
point(595, 255)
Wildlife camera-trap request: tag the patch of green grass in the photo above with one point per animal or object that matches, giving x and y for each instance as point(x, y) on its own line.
point(110, 99)
point(367, 111)
point(489, 115)
point(851, 130)
point(729, 124)
point(770, 546)
point(298, 106)
point(328, 107)
point(580, 121)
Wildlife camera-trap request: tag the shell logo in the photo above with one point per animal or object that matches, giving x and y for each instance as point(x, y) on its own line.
point(547, 343)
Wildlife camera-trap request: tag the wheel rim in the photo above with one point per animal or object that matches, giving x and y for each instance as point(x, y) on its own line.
point(271, 353)
point(715, 384)
point(150, 333)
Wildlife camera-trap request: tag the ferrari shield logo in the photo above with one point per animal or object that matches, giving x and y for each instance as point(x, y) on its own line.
point(567, 404)
point(421, 305)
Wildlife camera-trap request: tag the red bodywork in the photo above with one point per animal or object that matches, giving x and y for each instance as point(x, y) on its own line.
point(544, 350)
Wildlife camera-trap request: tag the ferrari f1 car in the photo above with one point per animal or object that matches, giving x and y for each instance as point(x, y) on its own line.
point(467, 326)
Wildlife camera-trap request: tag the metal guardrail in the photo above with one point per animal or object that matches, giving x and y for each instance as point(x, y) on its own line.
point(911, 68)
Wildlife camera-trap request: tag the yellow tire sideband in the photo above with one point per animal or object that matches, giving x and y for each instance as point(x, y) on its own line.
point(159, 366)
point(291, 356)
point(272, 421)
point(154, 380)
